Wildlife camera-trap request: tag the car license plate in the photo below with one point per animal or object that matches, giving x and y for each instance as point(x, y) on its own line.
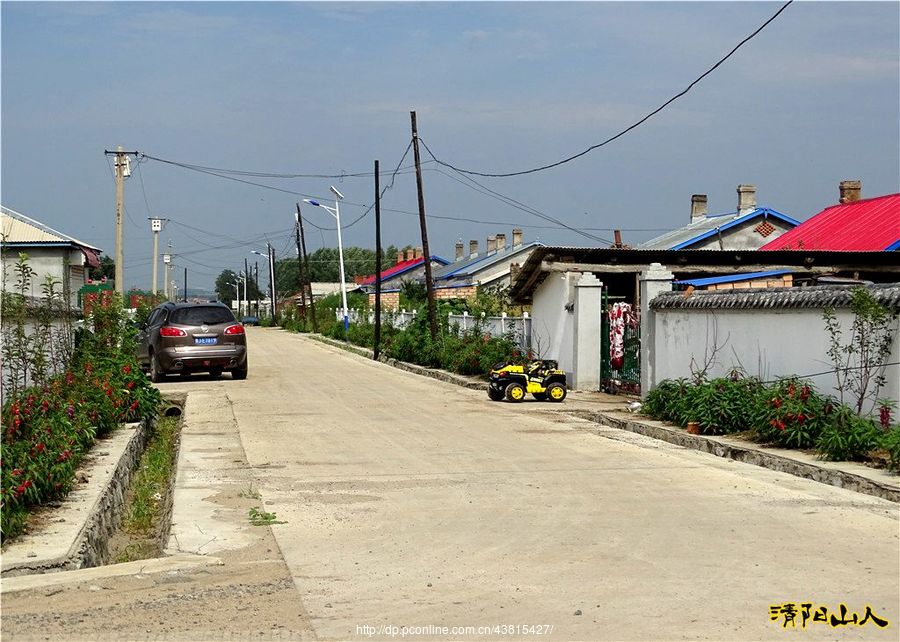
point(205, 341)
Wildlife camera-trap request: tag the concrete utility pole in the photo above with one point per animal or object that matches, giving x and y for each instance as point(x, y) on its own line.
point(167, 263)
point(312, 301)
point(377, 348)
point(429, 282)
point(156, 227)
point(120, 208)
point(271, 252)
point(301, 277)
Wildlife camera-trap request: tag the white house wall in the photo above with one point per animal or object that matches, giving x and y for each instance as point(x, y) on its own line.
point(764, 343)
point(45, 261)
point(552, 326)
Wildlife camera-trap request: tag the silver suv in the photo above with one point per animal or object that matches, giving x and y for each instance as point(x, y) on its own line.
point(186, 337)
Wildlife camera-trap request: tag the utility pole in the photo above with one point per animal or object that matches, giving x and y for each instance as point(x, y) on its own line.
point(185, 285)
point(167, 263)
point(312, 301)
point(246, 276)
point(271, 252)
point(156, 227)
point(120, 209)
point(256, 279)
point(377, 349)
point(429, 283)
point(300, 275)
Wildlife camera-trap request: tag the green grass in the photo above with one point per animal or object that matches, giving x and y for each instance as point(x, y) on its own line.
point(262, 518)
point(151, 481)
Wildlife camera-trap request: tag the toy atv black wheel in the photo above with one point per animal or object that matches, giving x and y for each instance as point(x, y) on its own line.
point(556, 392)
point(495, 394)
point(515, 392)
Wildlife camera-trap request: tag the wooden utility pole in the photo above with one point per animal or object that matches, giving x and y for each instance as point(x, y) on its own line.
point(246, 283)
point(429, 284)
point(312, 301)
point(185, 285)
point(120, 208)
point(300, 272)
point(256, 280)
point(377, 348)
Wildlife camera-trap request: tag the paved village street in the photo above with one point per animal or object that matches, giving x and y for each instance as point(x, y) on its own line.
point(406, 502)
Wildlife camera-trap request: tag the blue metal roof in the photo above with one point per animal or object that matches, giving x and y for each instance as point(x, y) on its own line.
point(732, 278)
point(467, 267)
point(684, 237)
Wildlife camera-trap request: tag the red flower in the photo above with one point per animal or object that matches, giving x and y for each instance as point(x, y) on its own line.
point(804, 393)
point(126, 369)
point(791, 390)
point(776, 402)
point(129, 385)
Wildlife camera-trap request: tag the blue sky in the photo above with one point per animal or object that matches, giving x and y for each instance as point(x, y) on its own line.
point(327, 88)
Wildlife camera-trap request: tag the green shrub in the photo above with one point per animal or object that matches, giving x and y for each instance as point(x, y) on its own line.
point(847, 437)
point(792, 414)
point(890, 441)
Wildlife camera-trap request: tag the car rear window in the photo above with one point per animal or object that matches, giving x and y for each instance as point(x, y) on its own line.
point(201, 315)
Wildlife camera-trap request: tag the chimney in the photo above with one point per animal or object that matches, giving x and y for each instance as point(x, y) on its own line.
point(517, 237)
point(419, 253)
point(698, 207)
point(410, 254)
point(850, 191)
point(473, 248)
point(618, 238)
point(399, 257)
point(491, 244)
point(746, 198)
point(459, 250)
point(501, 242)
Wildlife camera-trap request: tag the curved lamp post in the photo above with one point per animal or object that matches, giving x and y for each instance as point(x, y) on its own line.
point(336, 213)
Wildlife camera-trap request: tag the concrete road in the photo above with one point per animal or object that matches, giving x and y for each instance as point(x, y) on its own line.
point(415, 503)
point(407, 502)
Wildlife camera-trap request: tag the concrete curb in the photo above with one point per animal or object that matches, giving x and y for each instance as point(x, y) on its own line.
point(88, 516)
point(440, 375)
point(755, 455)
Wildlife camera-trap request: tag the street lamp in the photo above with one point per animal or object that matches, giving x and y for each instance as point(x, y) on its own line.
point(237, 294)
point(269, 261)
point(336, 213)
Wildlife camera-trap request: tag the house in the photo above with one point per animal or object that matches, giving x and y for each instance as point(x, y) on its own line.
point(493, 268)
point(408, 268)
point(572, 291)
point(50, 253)
point(854, 224)
point(749, 227)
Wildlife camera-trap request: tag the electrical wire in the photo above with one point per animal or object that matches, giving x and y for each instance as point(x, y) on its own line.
point(521, 206)
point(633, 126)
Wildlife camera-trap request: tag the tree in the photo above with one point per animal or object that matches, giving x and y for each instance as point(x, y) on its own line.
point(225, 291)
point(107, 269)
point(324, 267)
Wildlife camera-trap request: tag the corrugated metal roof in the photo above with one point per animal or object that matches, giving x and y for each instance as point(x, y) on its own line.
point(732, 278)
point(401, 268)
point(869, 225)
point(466, 267)
point(684, 237)
point(820, 296)
point(18, 228)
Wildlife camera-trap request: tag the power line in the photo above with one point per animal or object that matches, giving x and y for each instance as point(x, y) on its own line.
point(629, 128)
point(521, 206)
point(240, 172)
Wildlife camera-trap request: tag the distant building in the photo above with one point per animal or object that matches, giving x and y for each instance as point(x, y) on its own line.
point(749, 227)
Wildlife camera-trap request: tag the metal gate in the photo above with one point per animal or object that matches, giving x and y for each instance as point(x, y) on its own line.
point(620, 372)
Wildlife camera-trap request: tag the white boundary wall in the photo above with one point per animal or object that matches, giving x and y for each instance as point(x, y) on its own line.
point(766, 343)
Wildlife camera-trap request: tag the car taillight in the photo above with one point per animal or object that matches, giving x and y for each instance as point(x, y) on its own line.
point(234, 329)
point(171, 332)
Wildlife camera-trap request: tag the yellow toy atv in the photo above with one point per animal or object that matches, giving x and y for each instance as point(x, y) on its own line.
point(542, 378)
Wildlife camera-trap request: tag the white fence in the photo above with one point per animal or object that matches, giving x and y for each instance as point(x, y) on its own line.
point(518, 327)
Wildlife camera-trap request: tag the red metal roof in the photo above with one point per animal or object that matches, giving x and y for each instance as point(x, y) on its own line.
point(869, 225)
point(393, 271)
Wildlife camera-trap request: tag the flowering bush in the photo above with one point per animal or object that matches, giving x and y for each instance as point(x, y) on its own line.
point(47, 428)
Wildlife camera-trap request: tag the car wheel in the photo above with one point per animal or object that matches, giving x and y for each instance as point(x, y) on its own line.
point(239, 374)
point(156, 372)
point(556, 392)
point(540, 396)
point(495, 394)
point(515, 392)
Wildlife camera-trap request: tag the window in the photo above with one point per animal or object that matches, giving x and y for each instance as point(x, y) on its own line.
point(202, 315)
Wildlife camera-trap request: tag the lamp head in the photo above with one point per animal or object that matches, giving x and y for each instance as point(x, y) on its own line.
point(336, 193)
point(311, 202)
